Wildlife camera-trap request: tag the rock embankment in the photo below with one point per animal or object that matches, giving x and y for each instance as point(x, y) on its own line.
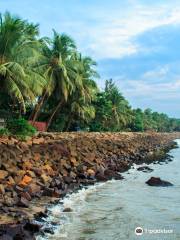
point(54, 164)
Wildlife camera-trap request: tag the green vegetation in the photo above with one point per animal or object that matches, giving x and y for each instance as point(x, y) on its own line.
point(48, 79)
point(19, 128)
point(4, 132)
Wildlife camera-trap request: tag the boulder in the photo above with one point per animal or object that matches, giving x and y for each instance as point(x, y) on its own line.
point(91, 172)
point(57, 193)
point(34, 189)
point(2, 190)
point(3, 174)
point(48, 192)
point(32, 227)
point(67, 179)
point(46, 179)
point(38, 140)
point(25, 181)
point(37, 171)
point(26, 195)
point(155, 181)
point(36, 157)
point(101, 177)
point(10, 181)
point(67, 209)
point(48, 169)
point(23, 202)
point(9, 201)
point(73, 161)
point(145, 169)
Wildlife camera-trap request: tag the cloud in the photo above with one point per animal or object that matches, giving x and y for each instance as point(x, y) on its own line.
point(103, 29)
point(154, 91)
point(114, 36)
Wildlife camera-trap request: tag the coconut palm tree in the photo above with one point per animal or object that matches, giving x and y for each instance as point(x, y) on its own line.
point(55, 67)
point(17, 48)
point(85, 89)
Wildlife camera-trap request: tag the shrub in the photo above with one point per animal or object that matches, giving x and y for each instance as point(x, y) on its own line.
point(21, 128)
point(4, 132)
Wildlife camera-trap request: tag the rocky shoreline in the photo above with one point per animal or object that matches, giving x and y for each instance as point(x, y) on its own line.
point(47, 167)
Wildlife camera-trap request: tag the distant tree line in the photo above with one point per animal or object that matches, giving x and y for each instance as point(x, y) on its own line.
point(48, 79)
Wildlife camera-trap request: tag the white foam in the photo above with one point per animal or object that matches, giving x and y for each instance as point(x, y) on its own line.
point(79, 197)
point(178, 142)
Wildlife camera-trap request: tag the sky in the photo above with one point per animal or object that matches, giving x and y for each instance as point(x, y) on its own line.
point(135, 42)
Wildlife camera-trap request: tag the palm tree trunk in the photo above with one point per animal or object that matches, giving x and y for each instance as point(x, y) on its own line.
point(37, 108)
point(70, 117)
point(53, 114)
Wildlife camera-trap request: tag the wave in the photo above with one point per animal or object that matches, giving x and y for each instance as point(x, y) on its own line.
point(178, 142)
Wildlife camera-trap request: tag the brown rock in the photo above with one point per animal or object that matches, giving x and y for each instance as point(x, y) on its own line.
point(91, 172)
point(67, 166)
point(46, 179)
point(3, 174)
point(23, 146)
point(34, 189)
point(67, 179)
point(27, 165)
point(37, 156)
point(89, 163)
point(21, 173)
point(8, 201)
point(74, 161)
point(23, 202)
point(2, 190)
point(31, 174)
point(38, 140)
point(64, 172)
point(26, 195)
point(49, 170)
point(37, 171)
point(25, 181)
point(19, 189)
point(10, 181)
point(57, 193)
point(73, 174)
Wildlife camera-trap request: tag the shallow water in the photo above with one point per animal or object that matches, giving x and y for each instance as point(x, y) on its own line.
point(112, 210)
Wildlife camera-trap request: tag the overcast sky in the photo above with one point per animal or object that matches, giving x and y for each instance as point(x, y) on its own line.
point(135, 42)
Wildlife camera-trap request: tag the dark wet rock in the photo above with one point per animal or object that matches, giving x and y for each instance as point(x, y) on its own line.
point(155, 181)
point(145, 169)
point(54, 223)
point(32, 227)
point(48, 230)
point(6, 237)
point(15, 232)
point(101, 177)
point(48, 192)
point(67, 179)
point(112, 175)
point(67, 210)
point(118, 177)
point(82, 175)
point(38, 216)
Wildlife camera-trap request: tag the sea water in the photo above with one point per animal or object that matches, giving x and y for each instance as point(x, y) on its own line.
point(113, 210)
